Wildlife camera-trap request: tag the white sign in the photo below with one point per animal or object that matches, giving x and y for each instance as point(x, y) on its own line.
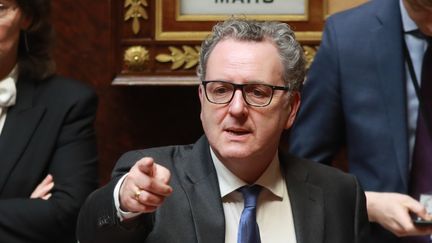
point(242, 7)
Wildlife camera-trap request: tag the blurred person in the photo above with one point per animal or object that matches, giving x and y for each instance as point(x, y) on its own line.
point(361, 94)
point(48, 158)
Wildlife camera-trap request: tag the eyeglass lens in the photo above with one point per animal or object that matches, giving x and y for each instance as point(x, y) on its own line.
point(222, 92)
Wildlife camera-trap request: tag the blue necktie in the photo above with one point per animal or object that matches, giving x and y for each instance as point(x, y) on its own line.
point(248, 228)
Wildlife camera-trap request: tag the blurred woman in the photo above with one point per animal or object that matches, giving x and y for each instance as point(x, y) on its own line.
point(48, 158)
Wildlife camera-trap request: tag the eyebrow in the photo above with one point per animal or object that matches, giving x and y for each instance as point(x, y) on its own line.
point(247, 81)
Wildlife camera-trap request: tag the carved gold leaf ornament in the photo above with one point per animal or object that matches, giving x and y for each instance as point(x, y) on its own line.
point(188, 57)
point(309, 52)
point(135, 58)
point(135, 12)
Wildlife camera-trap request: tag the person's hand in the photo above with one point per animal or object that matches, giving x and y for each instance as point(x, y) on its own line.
point(145, 187)
point(392, 211)
point(43, 190)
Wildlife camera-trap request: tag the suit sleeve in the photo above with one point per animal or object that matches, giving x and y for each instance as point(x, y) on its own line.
point(317, 133)
point(361, 223)
point(74, 167)
point(98, 220)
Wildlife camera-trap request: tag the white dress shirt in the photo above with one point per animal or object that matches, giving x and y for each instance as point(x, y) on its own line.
point(274, 214)
point(13, 75)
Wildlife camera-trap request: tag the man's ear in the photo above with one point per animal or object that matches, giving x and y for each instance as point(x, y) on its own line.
point(200, 92)
point(201, 96)
point(294, 106)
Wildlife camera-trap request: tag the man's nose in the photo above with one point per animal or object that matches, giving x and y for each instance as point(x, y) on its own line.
point(238, 104)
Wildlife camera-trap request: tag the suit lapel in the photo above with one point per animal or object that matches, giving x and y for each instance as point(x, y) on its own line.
point(199, 180)
point(306, 202)
point(387, 39)
point(21, 122)
point(201, 186)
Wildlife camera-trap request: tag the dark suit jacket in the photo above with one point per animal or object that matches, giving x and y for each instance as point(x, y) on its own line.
point(49, 130)
point(328, 206)
point(355, 96)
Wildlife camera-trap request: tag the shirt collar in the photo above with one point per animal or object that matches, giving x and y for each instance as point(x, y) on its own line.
point(8, 90)
point(407, 23)
point(13, 74)
point(271, 179)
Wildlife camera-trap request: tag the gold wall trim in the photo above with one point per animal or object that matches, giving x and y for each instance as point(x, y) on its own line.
point(187, 58)
point(136, 57)
point(326, 13)
point(136, 10)
point(310, 52)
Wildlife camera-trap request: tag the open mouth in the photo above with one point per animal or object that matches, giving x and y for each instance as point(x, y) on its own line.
point(237, 132)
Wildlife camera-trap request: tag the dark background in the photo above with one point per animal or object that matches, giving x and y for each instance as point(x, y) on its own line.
point(129, 117)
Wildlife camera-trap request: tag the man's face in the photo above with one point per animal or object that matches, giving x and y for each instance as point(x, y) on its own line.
point(420, 14)
point(237, 131)
point(11, 22)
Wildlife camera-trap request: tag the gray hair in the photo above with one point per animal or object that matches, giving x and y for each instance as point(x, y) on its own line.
point(280, 34)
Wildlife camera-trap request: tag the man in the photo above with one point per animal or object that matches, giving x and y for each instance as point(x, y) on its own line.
point(359, 95)
point(250, 74)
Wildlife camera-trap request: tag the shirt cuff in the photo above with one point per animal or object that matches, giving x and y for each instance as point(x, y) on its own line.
point(120, 213)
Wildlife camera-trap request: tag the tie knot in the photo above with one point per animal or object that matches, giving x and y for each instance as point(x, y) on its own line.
point(250, 195)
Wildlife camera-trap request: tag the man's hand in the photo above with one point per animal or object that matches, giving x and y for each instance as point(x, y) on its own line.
point(392, 211)
point(145, 187)
point(43, 190)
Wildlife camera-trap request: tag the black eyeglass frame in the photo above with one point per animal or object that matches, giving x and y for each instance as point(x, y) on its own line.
point(241, 87)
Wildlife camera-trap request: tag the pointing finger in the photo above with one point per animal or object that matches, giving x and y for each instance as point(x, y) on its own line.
point(145, 165)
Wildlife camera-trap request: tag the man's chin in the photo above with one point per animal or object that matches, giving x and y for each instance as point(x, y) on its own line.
point(234, 153)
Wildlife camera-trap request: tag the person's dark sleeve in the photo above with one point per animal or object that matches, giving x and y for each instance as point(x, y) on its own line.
point(74, 169)
point(98, 220)
point(362, 226)
point(317, 133)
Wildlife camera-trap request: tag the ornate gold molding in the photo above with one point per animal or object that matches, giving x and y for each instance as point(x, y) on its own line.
point(189, 57)
point(309, 52)
point(136, 11)
point(135, 58)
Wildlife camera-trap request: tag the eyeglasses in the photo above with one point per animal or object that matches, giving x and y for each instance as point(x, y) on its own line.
point(258, 95)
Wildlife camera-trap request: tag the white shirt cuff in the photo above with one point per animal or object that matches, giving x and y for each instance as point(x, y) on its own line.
point(120, 213)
